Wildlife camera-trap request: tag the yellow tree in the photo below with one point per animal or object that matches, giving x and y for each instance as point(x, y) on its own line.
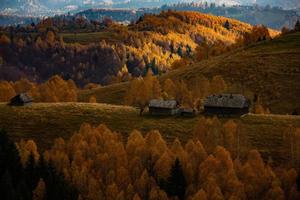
point(275, 192)
point(92, 99)
point(50, 38)
point(40, 44)
point(214, 136)
point(4, 40)
point(111, 192)
point(218, 85)
point(229, 133)
point(136, 197)
point(94, 190)
point(163, 165)
point(21, 43)
point(40, 190)
point(196, 155)
point(142, 90)
point(23, 85)
point(199, 86)
point(6, 91)
point(58, 90)
point(256, 176)
point(200, 195)
point(183, 95)
point(27, 148)
point(212, 189)
point(169, 88)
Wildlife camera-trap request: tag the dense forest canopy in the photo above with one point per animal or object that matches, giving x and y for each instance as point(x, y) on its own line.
point(95, 163)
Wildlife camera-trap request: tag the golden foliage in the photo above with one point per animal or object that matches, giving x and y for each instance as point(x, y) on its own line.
point(92, 99)
point(142, 90)
point(258, 33)
point(27, 148)
point(191, 93)
point(54, 90)
point(40, 190)
point(218, 85)
point(6, 91)
point(4, 40)
point(101, 165)
point(50, 38)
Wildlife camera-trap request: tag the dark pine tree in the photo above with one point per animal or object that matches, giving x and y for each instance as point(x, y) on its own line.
point(56, 186)
point(179, 51)
point(297, 26)
point(31, 173)
point(227, 25)
point(176, 183)
point(11, 172)
point(188, 50)
point(298, 182)
point(172, 49)
point(17, 183)
point(154, 67)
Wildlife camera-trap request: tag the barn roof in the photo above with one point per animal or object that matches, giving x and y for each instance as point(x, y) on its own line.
point(227, 101)
point(23, 97)
point(157, 103)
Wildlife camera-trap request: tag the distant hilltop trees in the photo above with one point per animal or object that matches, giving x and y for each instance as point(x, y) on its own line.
point(296, 28)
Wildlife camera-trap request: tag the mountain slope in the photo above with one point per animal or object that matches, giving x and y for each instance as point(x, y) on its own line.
point(269, 69)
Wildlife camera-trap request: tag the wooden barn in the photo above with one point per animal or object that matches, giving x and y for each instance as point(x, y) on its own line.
point(21, 99)
point(226, 104)
point(163, 107)
point(187, 112)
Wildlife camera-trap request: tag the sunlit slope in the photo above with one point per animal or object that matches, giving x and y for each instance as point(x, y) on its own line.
point(269, 69)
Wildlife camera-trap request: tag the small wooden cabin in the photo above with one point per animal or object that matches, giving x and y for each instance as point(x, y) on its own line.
point(226, 104)
point(187, 112)
point(163, 107)
point(21, 99)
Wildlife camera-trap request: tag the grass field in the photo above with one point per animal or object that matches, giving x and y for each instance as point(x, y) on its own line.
point(272, 69)
point(44, 122)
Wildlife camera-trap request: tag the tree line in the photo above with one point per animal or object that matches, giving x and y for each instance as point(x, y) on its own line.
point(54, 90)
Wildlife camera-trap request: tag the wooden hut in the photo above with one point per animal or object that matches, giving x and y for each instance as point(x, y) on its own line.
point(21, 99)
point(226, 104)
point(163, 107)
point(187, 112)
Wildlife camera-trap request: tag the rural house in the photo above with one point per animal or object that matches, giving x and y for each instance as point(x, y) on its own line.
point(187, 112)
point(226, 104)
point(20, 100)
point(163, 107)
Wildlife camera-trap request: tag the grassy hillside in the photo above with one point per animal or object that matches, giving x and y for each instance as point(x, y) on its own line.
point(270, 69)
point(45, 122)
